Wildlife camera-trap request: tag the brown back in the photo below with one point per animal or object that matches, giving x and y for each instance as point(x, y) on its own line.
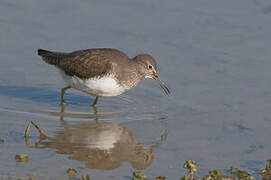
point(87, 63)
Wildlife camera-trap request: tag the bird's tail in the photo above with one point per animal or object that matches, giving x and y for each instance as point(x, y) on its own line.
point(50, 57)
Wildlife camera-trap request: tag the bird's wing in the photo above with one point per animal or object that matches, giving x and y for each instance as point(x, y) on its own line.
point(86, 63)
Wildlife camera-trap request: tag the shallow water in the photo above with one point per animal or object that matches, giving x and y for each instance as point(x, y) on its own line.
point(214, 55)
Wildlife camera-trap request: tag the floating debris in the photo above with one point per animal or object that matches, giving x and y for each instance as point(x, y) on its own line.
point(21, 158)
point(71, 172)
point(137, 175)
point(85, 177)
point(2, 141)
point(160, 178)
point(216, 175)
point(266, 172)
point(184, 178)
point(242, 175)
point(191, 166)
point(31, 178)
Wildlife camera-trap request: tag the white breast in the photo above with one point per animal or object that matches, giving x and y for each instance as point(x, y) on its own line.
point(104, 86)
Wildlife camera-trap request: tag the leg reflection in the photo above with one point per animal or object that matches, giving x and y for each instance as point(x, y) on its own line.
point(63, 106)
point(95, 110)
point(95, 114)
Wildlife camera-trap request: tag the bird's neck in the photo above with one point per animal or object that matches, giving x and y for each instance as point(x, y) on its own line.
point(130, 77)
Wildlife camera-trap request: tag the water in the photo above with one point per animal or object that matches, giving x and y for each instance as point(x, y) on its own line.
point(214, 55)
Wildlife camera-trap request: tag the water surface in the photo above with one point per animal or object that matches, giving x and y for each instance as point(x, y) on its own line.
point(214, 55)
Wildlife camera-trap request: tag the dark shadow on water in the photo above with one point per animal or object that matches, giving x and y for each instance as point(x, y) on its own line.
point(43, 95)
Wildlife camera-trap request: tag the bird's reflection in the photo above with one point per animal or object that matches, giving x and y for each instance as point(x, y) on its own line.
point(100, 145)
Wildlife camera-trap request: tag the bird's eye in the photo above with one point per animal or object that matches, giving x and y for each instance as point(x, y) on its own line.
point(150, 66)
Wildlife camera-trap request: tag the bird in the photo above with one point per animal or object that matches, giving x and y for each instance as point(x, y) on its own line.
point(102, 72)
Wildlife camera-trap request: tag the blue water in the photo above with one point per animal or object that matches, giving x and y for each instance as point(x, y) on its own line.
point(214, 55)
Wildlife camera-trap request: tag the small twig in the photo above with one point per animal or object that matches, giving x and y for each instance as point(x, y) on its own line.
point(43, 135)
point(191, 166)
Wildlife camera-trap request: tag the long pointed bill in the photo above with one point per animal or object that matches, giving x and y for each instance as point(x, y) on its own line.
point(162, 85)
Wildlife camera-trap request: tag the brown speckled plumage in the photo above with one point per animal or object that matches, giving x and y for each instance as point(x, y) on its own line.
point(97, 63)
point(84, 64)
point(94, 63)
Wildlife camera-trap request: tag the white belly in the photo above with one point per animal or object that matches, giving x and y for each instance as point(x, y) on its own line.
point(105, 86)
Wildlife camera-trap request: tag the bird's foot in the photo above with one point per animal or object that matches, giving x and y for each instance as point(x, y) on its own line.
point(95, 108)
point(63, 103)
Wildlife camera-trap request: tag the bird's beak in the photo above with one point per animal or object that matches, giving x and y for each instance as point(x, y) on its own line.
point(161, 83)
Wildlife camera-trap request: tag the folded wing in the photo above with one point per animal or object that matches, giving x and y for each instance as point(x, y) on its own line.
point(84, 64)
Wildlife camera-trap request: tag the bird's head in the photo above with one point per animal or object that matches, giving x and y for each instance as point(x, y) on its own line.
point(147, 66)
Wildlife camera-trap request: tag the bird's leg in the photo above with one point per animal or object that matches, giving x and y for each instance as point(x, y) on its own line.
point(63, 90)
point(95, 102)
